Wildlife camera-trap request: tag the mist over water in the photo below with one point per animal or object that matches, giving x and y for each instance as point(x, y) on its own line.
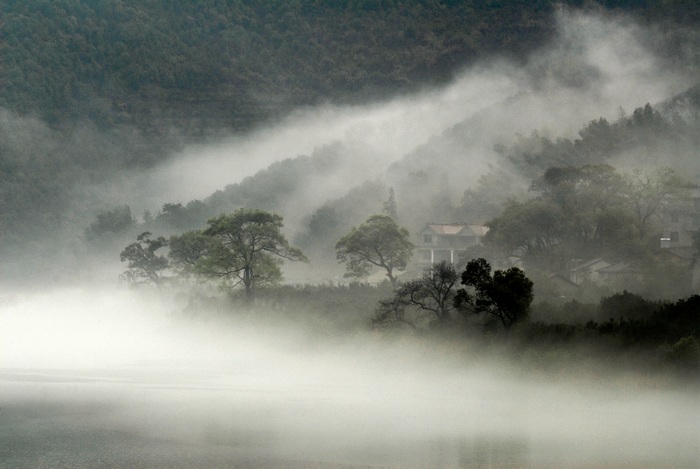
point(131, 370)
point(102, 376)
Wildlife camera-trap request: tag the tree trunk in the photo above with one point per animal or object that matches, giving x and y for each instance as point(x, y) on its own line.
point(392, 279)
point(248, 282)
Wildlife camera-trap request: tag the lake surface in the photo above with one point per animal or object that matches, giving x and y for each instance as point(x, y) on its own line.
point(118, 383)
point(184, 417)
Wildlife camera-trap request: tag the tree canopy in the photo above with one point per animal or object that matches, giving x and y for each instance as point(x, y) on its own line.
point(505, 295)
point(246, 247)
point(187, 249)
point(133, 61)
point(145, 265)
point(582, 212)
point(379, 242)
point(116, 220)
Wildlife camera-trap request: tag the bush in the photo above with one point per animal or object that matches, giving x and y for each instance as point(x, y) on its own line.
point(685, 353)
point(626, 305)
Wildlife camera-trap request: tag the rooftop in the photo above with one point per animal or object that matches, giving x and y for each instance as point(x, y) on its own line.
point(456, 228)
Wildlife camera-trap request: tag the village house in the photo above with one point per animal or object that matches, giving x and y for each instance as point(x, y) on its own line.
point(580, 271)
point(601, 272)
point(437, 242)
point(681, 221)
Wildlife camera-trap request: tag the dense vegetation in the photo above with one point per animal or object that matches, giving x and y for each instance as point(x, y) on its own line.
point(623, 330)
point(207, 65)
point(568, 201)
point(638, 331)
point(90, 91)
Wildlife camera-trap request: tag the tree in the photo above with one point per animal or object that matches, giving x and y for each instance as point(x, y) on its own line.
point(647, 192)
point(144, 264)
point(582, 194)
point(506, 295)
point(116, 220)
point(580, 212)
point(187, 249)
point(181, 216)
point(378, 242)
point(533, 227)
point(429, 299)
point(246, 247)
point(389, 206)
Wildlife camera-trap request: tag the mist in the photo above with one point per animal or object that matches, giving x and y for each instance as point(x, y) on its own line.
point(371, 136)
point(126, 379)
point(596, 68)
point(96, 374)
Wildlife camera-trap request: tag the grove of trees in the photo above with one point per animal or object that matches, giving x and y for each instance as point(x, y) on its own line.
point(245, 248)
point(584, 212)
point(433, 299)
point(98, 90)
point(595, 211)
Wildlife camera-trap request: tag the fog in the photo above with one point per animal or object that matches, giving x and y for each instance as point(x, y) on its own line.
point(105, 378)
point(596, 67)
point(372, 137)
point(95, 375)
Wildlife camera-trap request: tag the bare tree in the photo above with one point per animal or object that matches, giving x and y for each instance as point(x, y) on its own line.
point(427, 300)
point(646, 194)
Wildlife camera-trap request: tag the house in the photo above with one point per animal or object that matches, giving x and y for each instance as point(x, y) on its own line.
point(603, 272)
point(682, 257)
point(619, 275)
point(681, 220)
point(437, 242)
point(580, 271)
point(564, 286)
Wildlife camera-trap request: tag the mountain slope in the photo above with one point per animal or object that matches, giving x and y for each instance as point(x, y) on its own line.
point(210, 65)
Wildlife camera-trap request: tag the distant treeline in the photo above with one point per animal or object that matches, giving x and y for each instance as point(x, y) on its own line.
point(638, 332)
point(207, 65)
point(623, 329)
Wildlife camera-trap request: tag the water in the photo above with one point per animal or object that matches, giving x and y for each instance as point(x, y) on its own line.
point(134, 386)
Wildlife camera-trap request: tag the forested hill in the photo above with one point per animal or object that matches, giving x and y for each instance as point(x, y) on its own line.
point(206, 65)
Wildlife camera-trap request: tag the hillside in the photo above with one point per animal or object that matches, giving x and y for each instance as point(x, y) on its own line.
point(100, 100)
point(206, 66)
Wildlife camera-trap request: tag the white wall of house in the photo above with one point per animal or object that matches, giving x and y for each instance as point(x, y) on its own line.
point(445, 242)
